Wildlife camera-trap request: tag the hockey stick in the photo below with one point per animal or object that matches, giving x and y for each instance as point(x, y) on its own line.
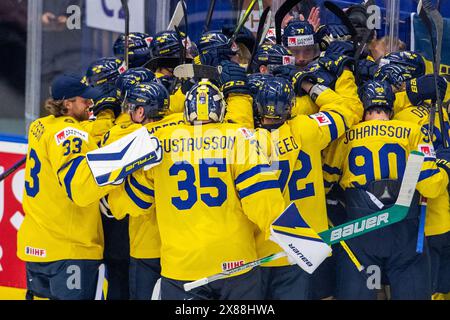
point(421, 232)
point(209, 15)
point(126, 10)
point(185, 16)
point(392, 215)
point(431, 17)
point(349, 252)
point(259, 35)
point(16, 166)
point(176, 17)
point(209, 72)
point(197, 71)
point(266, 28)
point(385, 217)
point(284, 9)
point(243, 20)
point(201, 282)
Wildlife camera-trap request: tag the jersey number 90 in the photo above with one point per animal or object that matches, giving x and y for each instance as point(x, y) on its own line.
point(367, 167)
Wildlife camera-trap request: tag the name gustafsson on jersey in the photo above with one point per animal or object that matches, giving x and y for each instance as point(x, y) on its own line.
point(198, 143)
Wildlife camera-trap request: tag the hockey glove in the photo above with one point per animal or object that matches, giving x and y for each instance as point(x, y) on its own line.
point(287, 71)
point(327, 34)
point(395, 75)
point(365, 70)
point(107, 100)
point(335, 63)
point(315, 75)
point(233, 78)
point(424, 88)
point(345, 48)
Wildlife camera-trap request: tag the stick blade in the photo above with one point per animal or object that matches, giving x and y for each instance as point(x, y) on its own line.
point(280, 14)
point(177, 17)
point(410, 178)
point(301, 242)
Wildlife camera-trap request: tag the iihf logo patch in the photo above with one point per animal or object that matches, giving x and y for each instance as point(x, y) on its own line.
point(36, 252)
point(231, 265)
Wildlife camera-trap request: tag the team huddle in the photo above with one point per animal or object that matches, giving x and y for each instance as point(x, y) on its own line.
point(312, 120)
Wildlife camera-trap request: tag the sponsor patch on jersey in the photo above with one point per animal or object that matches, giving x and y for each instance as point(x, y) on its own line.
point(228, 265)
point(64, 134)
point(427, 150)
point(288, 60)
point(248, 134)
point(321, 118)
point(35, 252)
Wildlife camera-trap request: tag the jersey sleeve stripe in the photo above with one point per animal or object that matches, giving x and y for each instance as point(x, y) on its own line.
point(140, 187)
point(331, 170)
point(343, 121)
point(259, 186)
point(250, 173)
point(332, 126)
point(139, 202)
point(425, 174)
point(70, 174)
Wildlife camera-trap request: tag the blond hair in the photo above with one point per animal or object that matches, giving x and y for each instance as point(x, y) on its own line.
point(55, 107)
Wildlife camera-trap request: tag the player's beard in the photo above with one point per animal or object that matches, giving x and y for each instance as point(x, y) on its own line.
point(82, 115)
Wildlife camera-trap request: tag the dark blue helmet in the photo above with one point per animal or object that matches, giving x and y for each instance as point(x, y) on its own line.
point(153, 97)
point(166, 44)
point(104, 71)
point(275, 99)
point(377, 94)
point(204, 102)
point(273, 55)
point(411, 61)
point(218, 44)
point(138, 46)
point(298, 34)
point(131, 78)
point(256, 80)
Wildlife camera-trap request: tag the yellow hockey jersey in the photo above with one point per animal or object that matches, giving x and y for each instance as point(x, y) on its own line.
point(208, 193)
point(438, 209)
point(374, 150)
point(145, 242)
point(295, 151)
point(62, 217)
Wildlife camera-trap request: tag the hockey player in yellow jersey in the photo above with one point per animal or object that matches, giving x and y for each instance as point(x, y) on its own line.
point(295, 146)
point(61, 236)
point(147, 104)
point(368, 163)
point(209, 195)
point(412, 104)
